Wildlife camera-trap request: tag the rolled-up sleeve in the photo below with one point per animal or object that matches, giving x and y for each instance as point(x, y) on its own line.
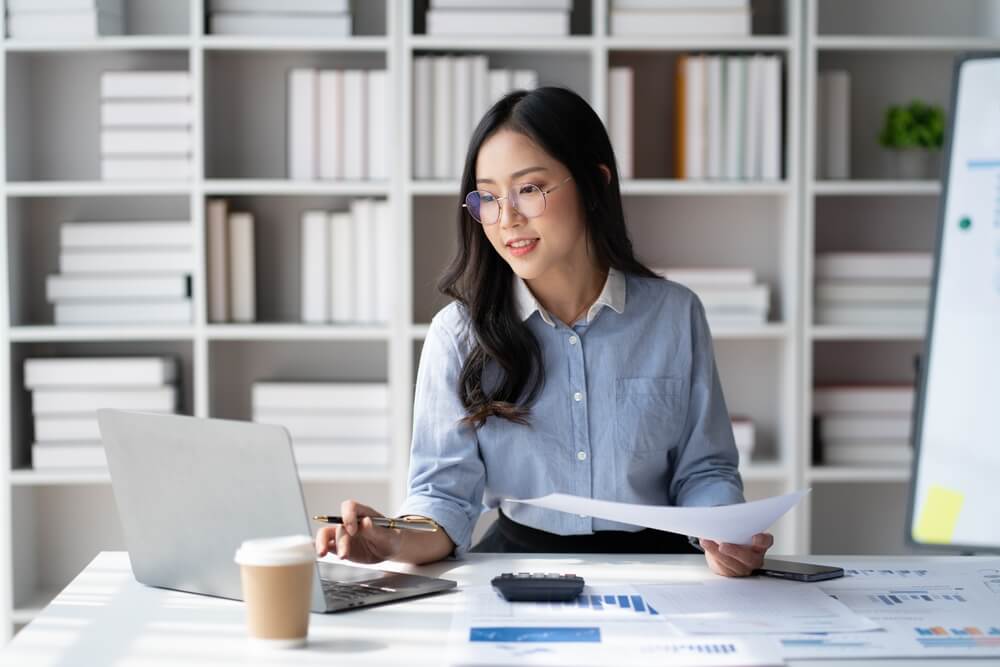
point(447, 475)
point(706, 468)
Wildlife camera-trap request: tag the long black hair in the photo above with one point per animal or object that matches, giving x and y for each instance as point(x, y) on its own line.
point(562, 124)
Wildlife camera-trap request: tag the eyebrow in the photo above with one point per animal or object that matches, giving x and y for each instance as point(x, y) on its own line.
point(516, 174)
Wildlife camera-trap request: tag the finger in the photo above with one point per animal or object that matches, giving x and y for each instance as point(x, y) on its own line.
point(738, 568)
point(343, 543)
point(744, 554)
point(762, 542)
point(719, 567)
point(324, 537)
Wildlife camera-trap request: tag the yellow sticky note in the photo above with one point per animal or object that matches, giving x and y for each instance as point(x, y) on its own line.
point(936, 524)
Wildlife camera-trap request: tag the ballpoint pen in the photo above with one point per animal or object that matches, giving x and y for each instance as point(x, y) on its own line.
point(406, 523)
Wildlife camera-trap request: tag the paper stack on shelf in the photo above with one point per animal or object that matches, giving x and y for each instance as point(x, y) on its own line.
point(450, 96)
point(123, 273)
point(337, 124)
point(347, 268)
point(731, 297)
point(496, 18)
point(281, 18)
point(231, 271)
point(330, 423)
point(864, 425)
point(745, 435)
point(671, 18)
point(67, 392)
point(873, 288)
point(729, 118)
point(64, 19)
point(146, 126)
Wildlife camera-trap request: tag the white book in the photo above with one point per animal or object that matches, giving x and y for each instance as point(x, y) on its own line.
point(869, 315)
point(442, 114)
point(702, 5)
point(480, 89)
point(833, 128)
point(754, 120)
point(331, 125)
point(342, 270)
point(385, 265)
point(302, 124)
point(95, 372)
point(280, 6)
point(315, 267)
point(736, 77)
point(524, 79)
point(694, 117)
point(60, 288)
point(71, 428)
point(68, 24)
point(692, 277)
point(328, 426)
point(744, 434)
point(320, 453)
point(146, 85)
point(143, 169)
point(280, 25)
point(48, 6)
point(242, 268)
point(461, 126)
point(378, 125)
point(365, 265)
point(423, 117)
point(530, 5)
point(857, 454)
point(755, 297)
point(494, 23)
point(217, 255)
point(715, 101)
point(866, 265)
point(57, 455)
point(146, 114)
point(320, 396)
point(85, 400)
point(148, 311)
point(621, 117)
point(861, 399)
point(771, 136)
point(355, 124)
point(92, 260)
point(872, 291)
point(146, 142)
point(501, 83)
point(864, 427)
point(105, 235)
point(730, 23)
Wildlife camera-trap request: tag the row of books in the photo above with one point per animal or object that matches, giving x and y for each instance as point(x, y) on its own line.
point(337, 124)
point(731, 296)
point(231, 279)
point(330, 423)
point(833, 125)
point(347, 265)
point(729, 117)
point(873, 288)
point(162, 149)
point(286, 18)
point(490, 18)
point(64, 19)
point(664, 18)
point(123, 273)
point(67, 392)
point(864, 425)
point(450, 96)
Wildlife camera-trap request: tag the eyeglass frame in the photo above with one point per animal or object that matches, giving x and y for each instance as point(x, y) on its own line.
point(545, 201)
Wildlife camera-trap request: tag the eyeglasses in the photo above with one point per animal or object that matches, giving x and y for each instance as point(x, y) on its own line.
point(529, 201)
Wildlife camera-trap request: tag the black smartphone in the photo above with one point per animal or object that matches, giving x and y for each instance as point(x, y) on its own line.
point(799, 571)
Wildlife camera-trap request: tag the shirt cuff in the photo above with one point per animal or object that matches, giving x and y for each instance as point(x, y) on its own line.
point(454, 521)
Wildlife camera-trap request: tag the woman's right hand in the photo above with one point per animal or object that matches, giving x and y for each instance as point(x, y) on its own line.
point(357, 539)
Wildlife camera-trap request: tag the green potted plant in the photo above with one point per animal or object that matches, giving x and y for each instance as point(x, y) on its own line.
point(913, 135)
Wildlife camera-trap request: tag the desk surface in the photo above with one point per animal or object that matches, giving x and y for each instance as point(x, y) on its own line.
point(104, 617)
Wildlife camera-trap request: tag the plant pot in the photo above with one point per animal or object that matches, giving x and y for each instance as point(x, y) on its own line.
point(912, 164)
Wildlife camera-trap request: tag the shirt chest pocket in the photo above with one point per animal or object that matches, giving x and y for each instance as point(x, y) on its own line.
point(652, 413)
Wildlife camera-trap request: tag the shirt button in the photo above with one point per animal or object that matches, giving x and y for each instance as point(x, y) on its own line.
point(578, 397)
point(572, 340)
point(581, 456)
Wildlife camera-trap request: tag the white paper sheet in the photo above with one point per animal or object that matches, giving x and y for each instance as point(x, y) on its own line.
point(736, 524)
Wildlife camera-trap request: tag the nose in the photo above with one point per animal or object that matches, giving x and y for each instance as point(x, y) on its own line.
point(509, 215)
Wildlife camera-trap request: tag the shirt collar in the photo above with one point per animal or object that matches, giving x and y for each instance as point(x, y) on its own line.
point(612, 296)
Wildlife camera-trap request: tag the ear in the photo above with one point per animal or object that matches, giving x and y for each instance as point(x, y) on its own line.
point(607, 173)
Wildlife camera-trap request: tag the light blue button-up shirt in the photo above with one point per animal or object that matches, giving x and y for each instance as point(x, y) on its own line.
point(631, 411)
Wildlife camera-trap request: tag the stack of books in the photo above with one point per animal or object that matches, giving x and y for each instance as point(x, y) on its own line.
point(146, 126)
point(64, 19)
point(283, 18)
point(337, 124)
point(731, 297)
point(330, 423)
point(745, 435)
point(67, 392)
point(864, 425)
point(123, 273)
point(673, 18)
point(873, 288)
point(493, 18)
point(231, 279)
point(347, 266)
point(450, 96)
point(729, 117)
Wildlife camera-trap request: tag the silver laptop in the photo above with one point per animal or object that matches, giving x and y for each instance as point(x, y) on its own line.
point(189, 491)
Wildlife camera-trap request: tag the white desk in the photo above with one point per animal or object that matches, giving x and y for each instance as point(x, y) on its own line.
point(105, 618)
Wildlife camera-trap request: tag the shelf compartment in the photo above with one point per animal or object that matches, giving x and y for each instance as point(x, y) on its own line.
point(835, 508)
point(915, 20)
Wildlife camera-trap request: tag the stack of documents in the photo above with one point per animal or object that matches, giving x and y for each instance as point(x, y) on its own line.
point(731, 296)
point(873, 288)
point(864, 425)
point(287, 18)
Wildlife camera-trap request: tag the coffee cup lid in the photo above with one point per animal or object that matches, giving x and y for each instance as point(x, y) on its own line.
point(288, 550)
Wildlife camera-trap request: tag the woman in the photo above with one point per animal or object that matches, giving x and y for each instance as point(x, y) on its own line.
point(562, 365)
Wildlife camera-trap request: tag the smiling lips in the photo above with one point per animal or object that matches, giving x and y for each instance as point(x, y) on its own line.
point(521, 246)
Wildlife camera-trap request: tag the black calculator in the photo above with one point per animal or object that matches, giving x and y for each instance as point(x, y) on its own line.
point(537, 587)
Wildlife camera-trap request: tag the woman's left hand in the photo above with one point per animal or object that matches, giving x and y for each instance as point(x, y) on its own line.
point(736, 560)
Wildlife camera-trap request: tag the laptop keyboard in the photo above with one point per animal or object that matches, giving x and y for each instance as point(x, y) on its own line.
point(353, 594)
